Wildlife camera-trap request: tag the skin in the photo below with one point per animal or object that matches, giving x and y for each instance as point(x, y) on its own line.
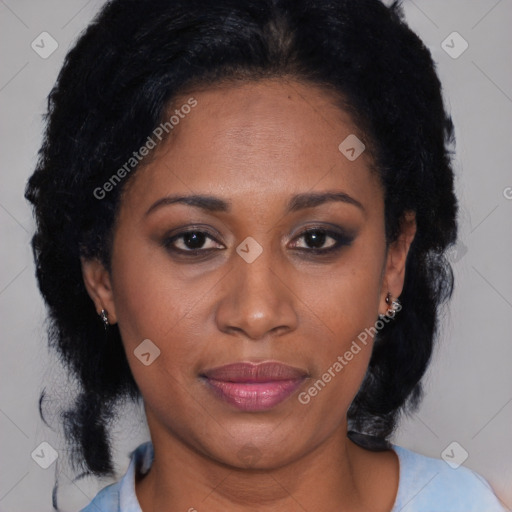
point(254, 145)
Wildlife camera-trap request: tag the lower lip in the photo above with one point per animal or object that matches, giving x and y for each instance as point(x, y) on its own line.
point(254, 396)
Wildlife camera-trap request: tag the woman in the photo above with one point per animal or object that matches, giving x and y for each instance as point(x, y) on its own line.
point(242, 215)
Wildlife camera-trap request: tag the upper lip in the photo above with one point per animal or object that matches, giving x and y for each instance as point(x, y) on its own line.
point(255, 372)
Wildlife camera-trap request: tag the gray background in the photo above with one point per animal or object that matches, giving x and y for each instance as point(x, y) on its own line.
point(469, 385)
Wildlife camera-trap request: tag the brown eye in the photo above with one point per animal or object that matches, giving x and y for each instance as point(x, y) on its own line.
point(191, 241)
point(320, 240)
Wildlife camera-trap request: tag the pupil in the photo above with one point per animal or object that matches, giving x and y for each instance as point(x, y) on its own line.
point(316, 238)
point(194, 240)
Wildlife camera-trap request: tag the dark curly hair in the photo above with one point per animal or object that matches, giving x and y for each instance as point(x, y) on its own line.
point(114, 89)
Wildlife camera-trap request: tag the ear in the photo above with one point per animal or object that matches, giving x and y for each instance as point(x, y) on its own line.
point(394, 273)
point(98, 284)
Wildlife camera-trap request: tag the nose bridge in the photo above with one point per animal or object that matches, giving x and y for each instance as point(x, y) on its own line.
point(257, 299)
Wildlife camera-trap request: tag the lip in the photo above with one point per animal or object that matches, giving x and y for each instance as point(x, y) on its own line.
point(254, 387)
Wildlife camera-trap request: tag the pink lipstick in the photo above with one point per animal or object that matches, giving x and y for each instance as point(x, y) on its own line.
point(254, 387)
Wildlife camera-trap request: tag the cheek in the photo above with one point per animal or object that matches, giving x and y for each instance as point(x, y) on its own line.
point(340, 366)
point(345, 298)
point(153, 303)
point(348, 309)
point(152, 296)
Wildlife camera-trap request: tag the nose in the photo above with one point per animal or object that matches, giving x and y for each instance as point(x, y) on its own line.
point(258, 299)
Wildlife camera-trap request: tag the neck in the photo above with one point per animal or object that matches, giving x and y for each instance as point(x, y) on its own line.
point(336, 475)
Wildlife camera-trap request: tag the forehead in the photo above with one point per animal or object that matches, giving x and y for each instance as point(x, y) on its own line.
point(257, 139)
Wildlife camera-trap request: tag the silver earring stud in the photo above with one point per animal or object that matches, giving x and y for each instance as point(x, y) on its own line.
point(104, 317)
point(395, 307)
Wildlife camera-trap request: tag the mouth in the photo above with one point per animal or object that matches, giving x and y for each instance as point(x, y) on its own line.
point(253, 387)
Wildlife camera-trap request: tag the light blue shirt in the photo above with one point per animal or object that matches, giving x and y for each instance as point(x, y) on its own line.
point(425, 485)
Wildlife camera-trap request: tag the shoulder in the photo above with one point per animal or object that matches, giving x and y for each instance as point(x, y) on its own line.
point(107, 500)
point(431, 485)
point(120, 496)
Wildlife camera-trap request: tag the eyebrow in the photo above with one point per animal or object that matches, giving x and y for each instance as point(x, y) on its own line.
point(296, 203)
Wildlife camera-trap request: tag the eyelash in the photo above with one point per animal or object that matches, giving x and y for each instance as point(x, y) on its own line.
point(340, 239)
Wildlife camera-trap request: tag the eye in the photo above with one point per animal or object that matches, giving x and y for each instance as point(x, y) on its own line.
point(322, 241)
point(191, 241)
point(195, 242)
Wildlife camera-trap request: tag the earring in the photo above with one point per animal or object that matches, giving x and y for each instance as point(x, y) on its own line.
point(395, 307)
point(104, 317)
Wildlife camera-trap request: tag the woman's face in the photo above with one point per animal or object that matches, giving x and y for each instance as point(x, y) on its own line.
point(246, 284)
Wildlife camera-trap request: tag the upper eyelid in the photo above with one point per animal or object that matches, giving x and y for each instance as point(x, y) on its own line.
point(328, 231)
